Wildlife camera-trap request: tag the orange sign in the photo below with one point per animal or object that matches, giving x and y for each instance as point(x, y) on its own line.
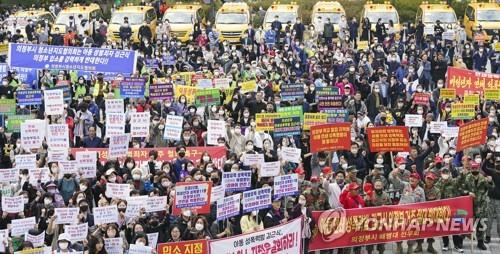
point(472, 134)
point(185, 247)
point(328, 137)
point(385, 139)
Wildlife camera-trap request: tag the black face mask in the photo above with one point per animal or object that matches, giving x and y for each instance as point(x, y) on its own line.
point(154, 223)
point(84, 208)
point(122, 209)
point(182, 154)
point(215, 180)
point(383, 118)
point(67, 175)
point(475, 172)
point(378, 191)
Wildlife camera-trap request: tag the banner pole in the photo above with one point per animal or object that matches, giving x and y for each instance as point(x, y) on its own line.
point(392, 160)
point(472, 242)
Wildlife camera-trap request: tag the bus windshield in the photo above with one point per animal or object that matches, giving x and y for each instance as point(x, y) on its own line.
point(133, 18)
point(384, 15)
point(231, 18)
point(179, 17)
point(283, 17)
point(443, 17)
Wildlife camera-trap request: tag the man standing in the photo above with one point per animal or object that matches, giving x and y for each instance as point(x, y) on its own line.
point(378, 198)
point(448, 188)
point(328, 31)
point(431, 193)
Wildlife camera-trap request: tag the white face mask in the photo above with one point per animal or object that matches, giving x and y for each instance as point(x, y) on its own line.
point(209, 169)
point(402, 166)
point(47, 201)
point(344, 166)
point(136, 176)
point(190, 168)
point(140, 243)
point(419, 90)
point(187, 213)
point(478, 160)
point(197, 177)
point(445, 176)
point(322, 163)
point(206, 158)
point(130, 165)
point(302, 202)
point(440, 85)
point(112, 179)
point(63, 245)
point(249, 147)
point(83, 187)
point(199, 226)
point(452, 152)
point(446, 160)
point(380, 161)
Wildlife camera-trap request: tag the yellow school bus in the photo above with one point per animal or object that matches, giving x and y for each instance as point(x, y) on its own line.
point(89, 12)
point(323, 10)
point(182, 18)
point(232, 21)
point(384, 11)
point(285, 12)
point(430, 13)
point(136, 15)
point(19, 20)
point(486, 15)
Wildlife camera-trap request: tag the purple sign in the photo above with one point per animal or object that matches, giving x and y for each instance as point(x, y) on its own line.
point(161, 91)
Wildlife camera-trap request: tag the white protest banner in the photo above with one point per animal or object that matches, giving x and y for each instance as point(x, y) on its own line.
point(21, 226)
point(118, 190)
point(428, 30)
point(270, 169)
point(54, 102)
point(173, 127)
point(237, 181)
point(113, 245)
point(32, 133)
point(436, 127)
point(253, 159)
point(4, 236)
point(67, 167)
point(285, 239)
point(139, 249)
point(118, 146)
point(156, 204)
point(66, 215)
point(58, 136)
point(36, 175)
point(8, 175)
point(152, 240)
point(285, 185)
point(450, 132)
point(215, 129)
point(105, 214)
point(204, 83)
point(192, 195)
point(256, 199)
point(134, 205)
point(86, 163)
point(228, 207)
point(222, 83)
point(218, 193)
point(77, 232)
point(114, 106)
point(115, 124)
point(290, 154)
point(36, 240)
point(25, 161)
point(413, 120)
point(58, 155)
point(139, 124)
point(12, 204)
point(448, 35)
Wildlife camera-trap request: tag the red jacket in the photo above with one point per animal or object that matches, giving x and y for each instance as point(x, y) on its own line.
point(351, 202)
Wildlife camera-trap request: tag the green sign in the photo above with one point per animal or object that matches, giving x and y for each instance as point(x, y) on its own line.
point(291, 112)
point(208, 97)
point(13, 122)
point(8, 106)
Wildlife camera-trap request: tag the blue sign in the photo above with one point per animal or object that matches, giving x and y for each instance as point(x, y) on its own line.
point(4, 69)
point(152, 63)
point(27, 75)
point(71, 58)
point(66, 92)
point(132, 87)
point(29, 97)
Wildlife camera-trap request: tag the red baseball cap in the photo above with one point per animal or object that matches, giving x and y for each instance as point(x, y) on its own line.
point(438, 159)
point(430, 175)
point(474, 165)
point(326, 170)
point(353, 186)
point(314, 179)
point(299, 171)
point(415, 175)
point(400, 160)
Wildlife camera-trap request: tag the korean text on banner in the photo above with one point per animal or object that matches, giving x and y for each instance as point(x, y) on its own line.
point(200, 209)
point(463, 111)
point(285, 238)
point(77, 232)
point(472, 134)
point(29, 97)
point(285, 185)
point(256, 199)
point(291, 154)
point(228, 207)
point(25, 161)
point(447, 93)
point(7, 106)
point(287, 126)
point(105, 214)
point(22, 226)
point(173, 127)
point(269, 169)
point(291, 92)
point(248, 86)
point(216, 129)
point(413, 120)
point(253, 159)
point(193, 194)
point(237, 181)
point(311, 119)
point(188, 91)
point(421, 99)
point(66, 215)
point(418, 221)
point(467, 81)
point(118, 190)
point(8, 175)
point(492, 94)
point(161, 91)
point(291, 111)
point(265, 121)
point(87, 163)
point(132, 87)
point(54, 102)
point(114, 245)
point(139, 124)
point(118, 146)
point(328, 137)
point(58, 136)
point(207, 97)
point(385, 139)
point(115, 124)
point(12, 204)
point(184, 247)
point(73, 58)
point(114, 106)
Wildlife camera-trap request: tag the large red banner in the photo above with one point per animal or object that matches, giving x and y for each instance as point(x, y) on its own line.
point(141, 155)
point(373, 225)
point(328, 137)
point(388, 138)
point(472, 134)
point(185, 247)
point(466, 81)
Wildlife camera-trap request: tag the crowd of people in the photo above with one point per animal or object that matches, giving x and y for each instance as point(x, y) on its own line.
point(377, 85)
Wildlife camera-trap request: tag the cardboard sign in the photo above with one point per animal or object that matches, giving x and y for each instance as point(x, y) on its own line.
point(173, 127)
point(216, 129)
point(156, 204)
point(54, 102)
point(286, 185)
point(38, 176)
point(134, 205)
point(57, 155)
point(67, 167)
point(253, 159)
point(22, 226)
point(87, 163)
point(114, 106)
point(114, 245)
point(237, 181)
point(58, 136)
point(139, 124)
point(472, 134)
point(36, 240)
point(218, 192)
point(32, 134)
point(12, 204)
point(118, 146)
point(463, 111)
point(413, 120)
point(388, 138)
point(291, 154)
point(193, 195)
point(437, 127)
point(115, 124)
point(450, 132)
point(77, 232)
point(118, 190)
point(105, 214)
point(8, 175)
point(269, 169)
point(228, 207)
point(25, 161)
point(257, 199)
point(66, 215)
point(248, 86)
point(329, 137)
point(311, 119)
point(447, 93)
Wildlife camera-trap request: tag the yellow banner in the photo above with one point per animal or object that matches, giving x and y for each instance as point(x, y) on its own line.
point(188, 91)
point(248, 86)
point(463, 111)
point(4, 49)
point(492, 94)
point(447, 93)
point(186, 76)
point(265, 121)
point(471, 99)
point(311, 119)
point(229, 94)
